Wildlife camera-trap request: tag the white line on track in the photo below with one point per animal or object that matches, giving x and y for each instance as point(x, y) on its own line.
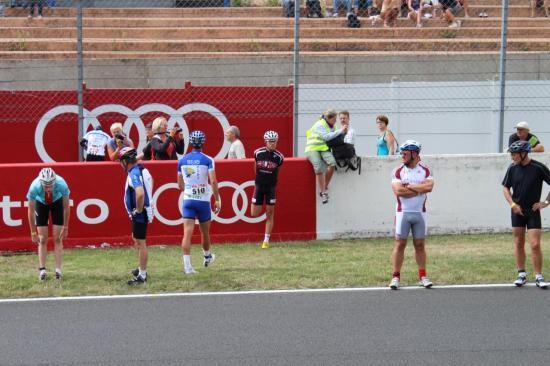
point(254, 292)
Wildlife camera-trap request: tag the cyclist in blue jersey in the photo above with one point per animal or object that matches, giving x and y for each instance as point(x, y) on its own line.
point(195, 170)
point(48, 194)
point(138, 200)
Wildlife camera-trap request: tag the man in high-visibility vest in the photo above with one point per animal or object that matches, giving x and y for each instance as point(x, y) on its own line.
point(318, 152)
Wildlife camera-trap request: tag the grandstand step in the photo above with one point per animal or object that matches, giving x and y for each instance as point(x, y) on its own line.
point(270, 45)
point(147, 23)
point(223, 33)
point(71, 55)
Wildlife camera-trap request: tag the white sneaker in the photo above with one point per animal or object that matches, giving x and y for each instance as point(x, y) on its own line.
point(454, 25)
point(541, 283)
point(190, 270)
point(208, 260)
point(335, 15)
point(520, 281)
point(425, 282)
point(394, 284)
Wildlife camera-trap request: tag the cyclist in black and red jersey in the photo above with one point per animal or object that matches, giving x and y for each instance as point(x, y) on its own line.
point(268, 161)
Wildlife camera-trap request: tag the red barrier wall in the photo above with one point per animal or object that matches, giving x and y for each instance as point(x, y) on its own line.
point(42, 126)
point(97, 194)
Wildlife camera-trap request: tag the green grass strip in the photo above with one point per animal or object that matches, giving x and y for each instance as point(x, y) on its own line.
point(465, 259)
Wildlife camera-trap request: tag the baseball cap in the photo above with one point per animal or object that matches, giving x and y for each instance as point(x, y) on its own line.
point(523, 125)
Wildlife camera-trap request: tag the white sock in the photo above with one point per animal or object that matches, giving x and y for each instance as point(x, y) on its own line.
point(206, 253)
point(142, 273)
point(538, 275)
point(522, 274)
point(58, 270)
point(42, 271)
point(187, 261)
point(266, 238)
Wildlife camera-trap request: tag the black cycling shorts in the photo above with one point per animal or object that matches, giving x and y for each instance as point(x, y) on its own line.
point(43, 211)
point(531, 220)
point(95, 158)
point(139, 226)
point(264, 193)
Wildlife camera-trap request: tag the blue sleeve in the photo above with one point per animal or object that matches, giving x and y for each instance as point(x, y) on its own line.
point(63, 188)
point(210, 164)
point(136, 181)
point(31, 195)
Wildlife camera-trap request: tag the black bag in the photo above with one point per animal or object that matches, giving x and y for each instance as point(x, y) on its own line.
point(288, 9)
point(344, 154)
point(353, 21)
point(313, 8)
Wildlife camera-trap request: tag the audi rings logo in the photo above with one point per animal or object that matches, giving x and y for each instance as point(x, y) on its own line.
point(239, 212)
point(133, 118)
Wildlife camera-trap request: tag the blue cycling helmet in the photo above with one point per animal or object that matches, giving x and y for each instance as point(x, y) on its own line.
point(410, 145)
point(520, 146)
point(197, 139)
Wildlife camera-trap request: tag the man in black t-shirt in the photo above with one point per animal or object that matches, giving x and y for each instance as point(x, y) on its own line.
point(525, 177)
point(523, 134)
point(267, 162)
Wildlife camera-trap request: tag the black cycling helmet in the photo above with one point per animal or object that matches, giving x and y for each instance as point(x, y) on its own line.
point(519, 146)
point(127, 153)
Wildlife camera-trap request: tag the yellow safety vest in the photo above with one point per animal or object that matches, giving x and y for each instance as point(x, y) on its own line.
point(314, 141)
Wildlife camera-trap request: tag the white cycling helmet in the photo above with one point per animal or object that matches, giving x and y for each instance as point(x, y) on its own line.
point(271, 136)
point(47, 176)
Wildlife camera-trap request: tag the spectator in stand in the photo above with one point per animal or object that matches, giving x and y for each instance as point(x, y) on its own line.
point(95, 143)
point(337, 4)
point(390, 12)
point(523, 134)
point(118, 141)
point(318, 152)
point(236, 151)
point(450, 9)
point(386, 142)
point(32, 3)
point(146, 152)
point(539, 4)
point(464, 4)
point(349, 138)
point(415, 12)
point(166, 146)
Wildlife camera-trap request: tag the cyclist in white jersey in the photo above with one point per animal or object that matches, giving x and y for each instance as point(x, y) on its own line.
point(194, 171)
point(411, 181)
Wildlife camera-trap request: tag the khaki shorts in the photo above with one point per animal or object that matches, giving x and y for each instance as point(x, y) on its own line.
point(320, 160)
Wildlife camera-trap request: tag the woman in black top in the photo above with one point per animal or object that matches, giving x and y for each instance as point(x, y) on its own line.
point(165, 146)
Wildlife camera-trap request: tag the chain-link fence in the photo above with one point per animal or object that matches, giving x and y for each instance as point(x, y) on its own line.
point(213, 63)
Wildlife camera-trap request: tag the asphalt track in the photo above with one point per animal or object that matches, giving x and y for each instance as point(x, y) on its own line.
point(441, 326)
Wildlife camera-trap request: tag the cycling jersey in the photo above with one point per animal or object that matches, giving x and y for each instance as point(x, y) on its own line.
point(416, 175)
point(525, 181)
point(138, 176)
point(37, 193)
point(267, 166)
point(194, 168)
point(96, 142)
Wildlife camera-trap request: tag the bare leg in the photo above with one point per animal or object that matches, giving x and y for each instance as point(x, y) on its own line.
point(188, 227)
point(533, 6)
point(536, 252)
point(398, 254)
point(58, 245)
point(42, 245)
point(519, 246)
point(420, 252)
point(329, 174)
point(141, 247)
point(270, 210)
point(321, 182)
point(205, 235)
